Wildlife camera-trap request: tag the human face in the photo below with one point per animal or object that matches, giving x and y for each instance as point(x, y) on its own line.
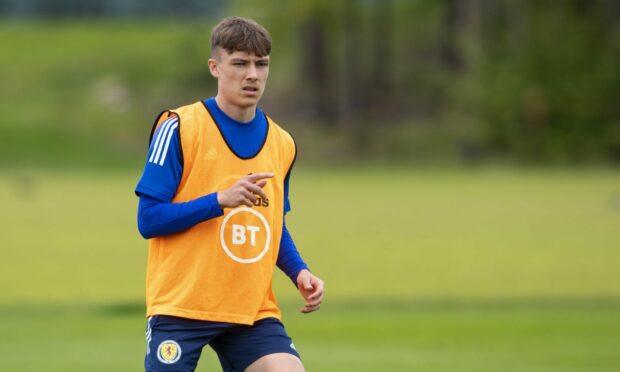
point(241, 78)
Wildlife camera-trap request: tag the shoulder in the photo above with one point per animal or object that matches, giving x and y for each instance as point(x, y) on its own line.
point(281, 133)
point(285, 141)
point(185, 117)
point(187, 113)
point(164, 120)
point(173, 126)
point(189, 109)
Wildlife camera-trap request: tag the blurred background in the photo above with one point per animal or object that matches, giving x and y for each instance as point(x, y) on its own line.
point(457, 183)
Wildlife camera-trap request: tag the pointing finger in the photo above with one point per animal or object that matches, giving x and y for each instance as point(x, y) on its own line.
point(258, 176)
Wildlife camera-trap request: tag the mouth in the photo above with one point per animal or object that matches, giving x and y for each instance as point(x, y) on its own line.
point(250, 89)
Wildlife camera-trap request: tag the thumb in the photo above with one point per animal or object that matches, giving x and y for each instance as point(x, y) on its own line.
point(305, 282)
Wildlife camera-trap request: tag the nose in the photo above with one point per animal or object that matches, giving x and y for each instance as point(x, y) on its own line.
point(252, 72)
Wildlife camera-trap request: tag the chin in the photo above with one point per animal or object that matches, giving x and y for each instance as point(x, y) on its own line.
point(248, 101)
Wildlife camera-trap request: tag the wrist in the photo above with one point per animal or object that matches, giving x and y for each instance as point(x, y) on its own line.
point(218, 197)
point(300, 272)
point(213, 205)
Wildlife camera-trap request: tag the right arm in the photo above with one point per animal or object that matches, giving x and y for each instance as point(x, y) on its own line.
point(157, 214)
point(159, 218)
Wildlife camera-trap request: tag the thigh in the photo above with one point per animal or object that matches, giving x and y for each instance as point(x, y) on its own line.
point(175, 344)
point(279, 362)
point(241, 347)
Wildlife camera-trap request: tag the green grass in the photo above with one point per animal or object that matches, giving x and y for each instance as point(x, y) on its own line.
point(342, 337)
point(433, 270)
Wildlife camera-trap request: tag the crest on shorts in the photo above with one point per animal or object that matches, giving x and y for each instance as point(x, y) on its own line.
point(168, 352)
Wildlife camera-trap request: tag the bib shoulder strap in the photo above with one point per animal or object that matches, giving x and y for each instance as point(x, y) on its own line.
point(287, 142)
point(163, 116)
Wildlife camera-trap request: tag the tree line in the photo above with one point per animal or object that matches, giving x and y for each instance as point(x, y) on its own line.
point(468, 79)
point(531, 80)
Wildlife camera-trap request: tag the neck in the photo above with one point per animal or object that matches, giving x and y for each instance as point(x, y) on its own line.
point(240, 114)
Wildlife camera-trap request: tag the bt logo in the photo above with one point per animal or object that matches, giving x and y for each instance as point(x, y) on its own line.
point(239, 234)
point(245, 235)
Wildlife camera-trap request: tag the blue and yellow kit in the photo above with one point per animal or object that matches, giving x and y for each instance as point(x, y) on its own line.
point(221, 269)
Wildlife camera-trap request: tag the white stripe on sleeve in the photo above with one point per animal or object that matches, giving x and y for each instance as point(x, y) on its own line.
point(163, 138)
point(158, 139)
point(163, 155)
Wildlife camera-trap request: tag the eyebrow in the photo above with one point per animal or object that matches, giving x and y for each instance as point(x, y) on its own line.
point(248, 60)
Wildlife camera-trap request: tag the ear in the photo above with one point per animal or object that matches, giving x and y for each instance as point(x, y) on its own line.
point(213, 68)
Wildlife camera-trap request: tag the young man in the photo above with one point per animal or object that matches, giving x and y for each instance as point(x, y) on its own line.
point(213, 196)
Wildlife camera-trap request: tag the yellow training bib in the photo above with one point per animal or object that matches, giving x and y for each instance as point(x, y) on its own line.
point(221, 269)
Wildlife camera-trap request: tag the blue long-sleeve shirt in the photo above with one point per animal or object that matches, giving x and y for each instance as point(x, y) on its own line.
point(158, 215)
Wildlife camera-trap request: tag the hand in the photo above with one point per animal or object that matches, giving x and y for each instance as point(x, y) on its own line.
point(311, 289)
point(244, 191)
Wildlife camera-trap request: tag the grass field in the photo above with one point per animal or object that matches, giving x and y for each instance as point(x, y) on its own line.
point(343, 337)
point(430, 270)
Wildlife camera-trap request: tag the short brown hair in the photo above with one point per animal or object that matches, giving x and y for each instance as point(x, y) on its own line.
point(236, 34)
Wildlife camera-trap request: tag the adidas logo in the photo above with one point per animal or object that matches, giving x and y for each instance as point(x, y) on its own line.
point(211, 154)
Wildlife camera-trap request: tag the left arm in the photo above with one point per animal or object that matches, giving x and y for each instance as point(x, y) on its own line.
point(290, 262)
point(289, 259)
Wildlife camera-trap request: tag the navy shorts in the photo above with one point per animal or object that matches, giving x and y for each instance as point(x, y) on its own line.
point(175, 344)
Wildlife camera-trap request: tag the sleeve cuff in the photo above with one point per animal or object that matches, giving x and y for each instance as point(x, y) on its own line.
point(213, 206)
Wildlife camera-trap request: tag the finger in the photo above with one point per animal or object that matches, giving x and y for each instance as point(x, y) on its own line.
point(317, 285)
point(245, 201)
point(315, 295)
point(308, 309)
point(248, 195)
point(258, 176)
point(315, 302)
point(256, 190)
point(261, 183)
